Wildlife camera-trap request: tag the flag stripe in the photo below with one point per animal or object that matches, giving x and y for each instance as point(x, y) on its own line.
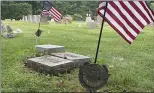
point(127, 18)
point(113, 11)
point(136, 28)
point(146, 9)
point(120, 23)
point(143, 10)
point(53, 11)
point(134, 11)
point(138, 8)
point(53, 15)
point(151, 12)
point(131, 14)
point(57, 11)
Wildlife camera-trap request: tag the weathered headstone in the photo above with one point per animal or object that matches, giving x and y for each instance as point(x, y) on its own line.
point(38, 18)
point(22, 18)
point(50, 64)
point(26, 20)
point(54, 65)
point(9, 33)
point(76, 58)
point(50, 49)
point(13, 20)
point(29, 18)
point(34, 18)
point(3, 27)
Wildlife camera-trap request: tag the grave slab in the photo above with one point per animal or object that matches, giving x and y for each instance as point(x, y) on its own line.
point(76, 58)
point(50, 48)
point(50, 64)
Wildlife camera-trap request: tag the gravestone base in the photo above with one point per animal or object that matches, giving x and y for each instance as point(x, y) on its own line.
point(50, 48)
point(76, 58)
point(55, 64)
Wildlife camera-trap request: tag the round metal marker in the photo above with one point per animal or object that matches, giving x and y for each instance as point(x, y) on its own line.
point(93, 76)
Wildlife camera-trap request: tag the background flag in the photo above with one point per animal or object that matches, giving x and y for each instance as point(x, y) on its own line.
point(49, 9)
point(127, 18)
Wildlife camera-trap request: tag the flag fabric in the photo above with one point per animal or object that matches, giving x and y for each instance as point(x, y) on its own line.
point(38, 32)
point(49, 9)
point(45, 12)
point(127, 18)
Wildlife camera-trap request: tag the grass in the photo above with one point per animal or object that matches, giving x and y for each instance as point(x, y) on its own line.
point(131, 66)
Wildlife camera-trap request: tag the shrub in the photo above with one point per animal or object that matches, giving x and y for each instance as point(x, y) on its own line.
point(15, 11)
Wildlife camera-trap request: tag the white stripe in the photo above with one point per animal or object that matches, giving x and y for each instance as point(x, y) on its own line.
point(53, 15)
point(128, 16)
point(113, 22)
point(57, 11)
point(143, 10)
point(135, 13)
point(149, 10)
point(122, 20)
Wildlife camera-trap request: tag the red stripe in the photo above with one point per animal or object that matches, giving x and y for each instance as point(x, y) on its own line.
point(54, 16)
point(114, 28)
point(124, 17)
point(55, 13)
point(131, 14)
point(139, 11)
point(145, 8)
point(120, 24)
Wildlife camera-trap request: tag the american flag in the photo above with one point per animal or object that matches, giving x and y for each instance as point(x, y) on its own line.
point(49, 9)
point(127, 18)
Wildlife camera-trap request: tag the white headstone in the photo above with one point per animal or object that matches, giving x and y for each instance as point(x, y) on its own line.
point(52, 20)
point(88, 19)
point(22, 18)
point(38, 18)
point(34, 18)
point(29, 18)
point(26, 20)
point(13, 20)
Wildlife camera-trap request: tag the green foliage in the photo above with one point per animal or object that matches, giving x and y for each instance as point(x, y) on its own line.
point(77, 7)
point(77, 17)
point(15, 10)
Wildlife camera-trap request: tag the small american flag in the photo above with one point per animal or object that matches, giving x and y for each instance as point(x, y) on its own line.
point(127, 18)
point(49, 9)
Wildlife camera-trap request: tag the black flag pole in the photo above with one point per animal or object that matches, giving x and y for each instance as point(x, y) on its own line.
point(100, 35)
point(38, 32)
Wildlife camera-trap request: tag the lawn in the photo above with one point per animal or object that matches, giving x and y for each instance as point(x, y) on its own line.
point(131, 66)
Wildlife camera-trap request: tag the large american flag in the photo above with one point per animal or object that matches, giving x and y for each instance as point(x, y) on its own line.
point(49, 9)
point(127, 18)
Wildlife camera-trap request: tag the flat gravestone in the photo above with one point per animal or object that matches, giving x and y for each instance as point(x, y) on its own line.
point(76, 58)
point(50, 49)
point(50, 64)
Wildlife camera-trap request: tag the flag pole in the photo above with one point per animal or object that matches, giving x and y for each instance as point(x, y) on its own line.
point(36, 42)
point(101, 32)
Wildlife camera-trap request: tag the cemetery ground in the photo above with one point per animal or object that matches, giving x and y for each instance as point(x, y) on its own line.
point(131, 66)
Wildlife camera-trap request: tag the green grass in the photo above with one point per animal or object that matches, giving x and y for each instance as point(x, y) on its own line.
point(131, 66)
